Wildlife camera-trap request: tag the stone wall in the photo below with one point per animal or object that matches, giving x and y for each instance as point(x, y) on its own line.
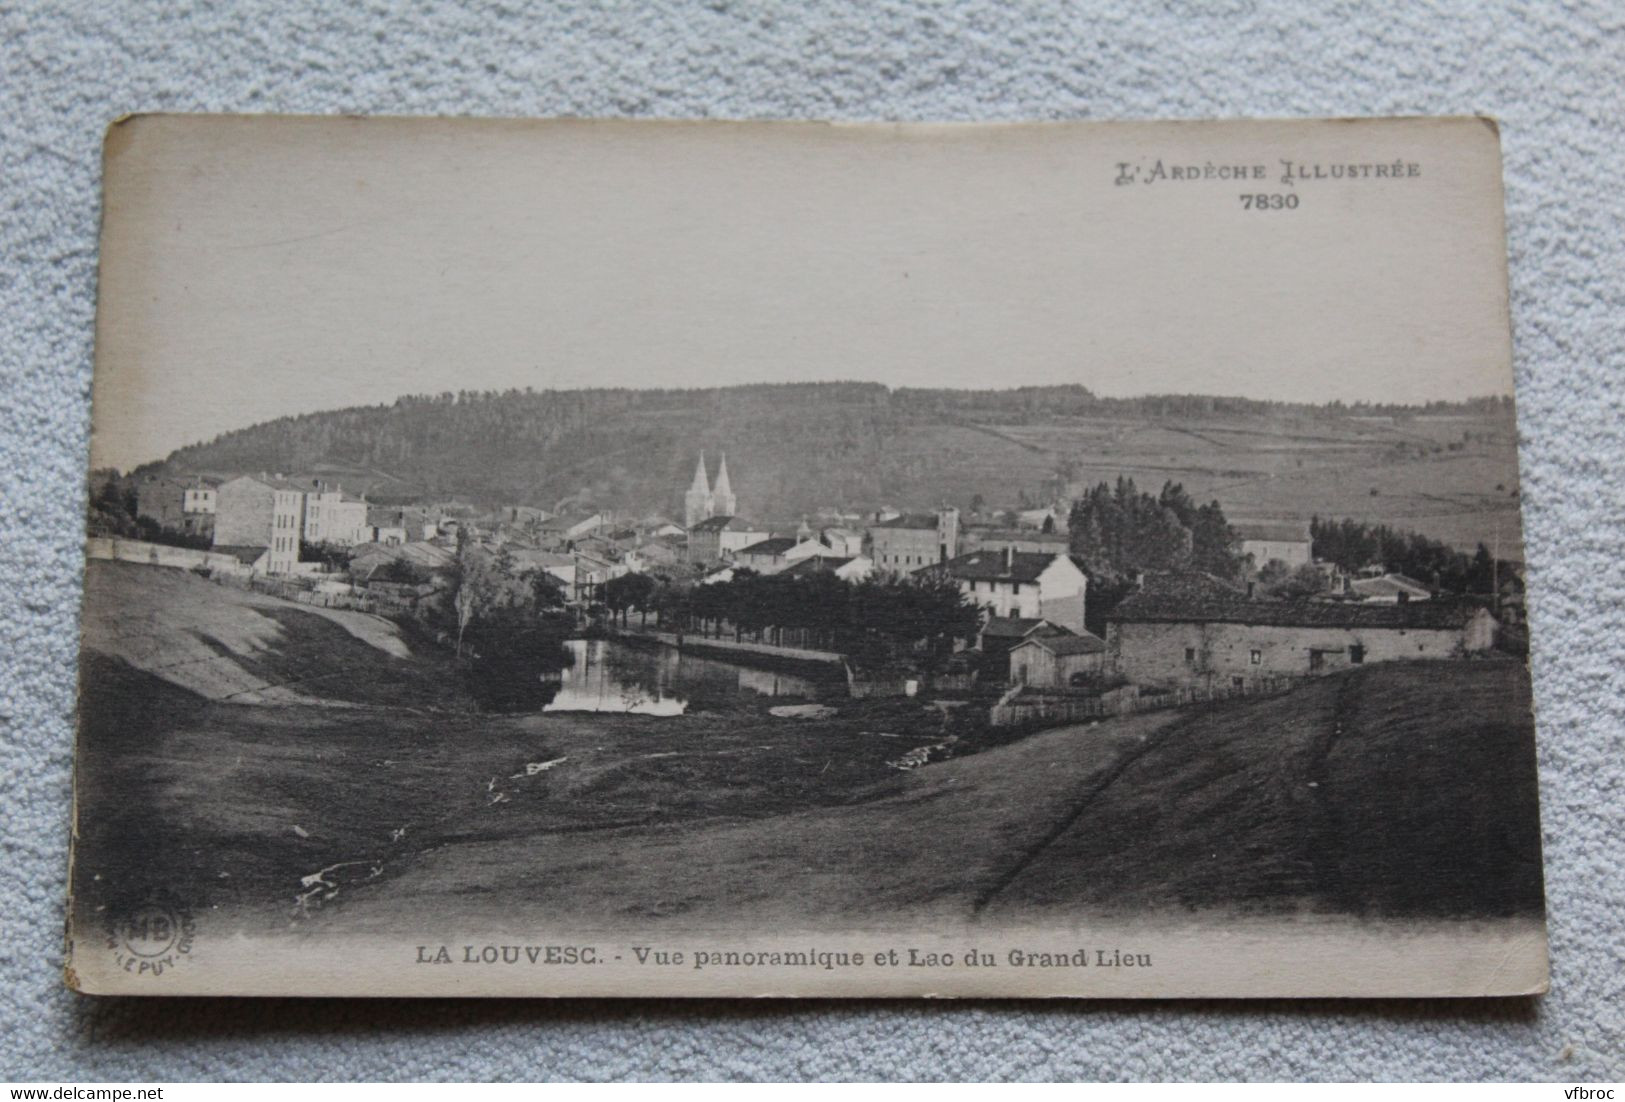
point(1200, 654)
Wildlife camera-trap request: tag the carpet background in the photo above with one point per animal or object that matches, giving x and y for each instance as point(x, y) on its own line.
point(1554, 76)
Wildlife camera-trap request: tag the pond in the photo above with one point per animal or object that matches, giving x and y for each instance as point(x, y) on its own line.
point(662, 680)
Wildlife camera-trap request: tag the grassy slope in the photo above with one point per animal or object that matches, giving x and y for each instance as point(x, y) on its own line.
point(1403, 788)
point(1400, 790)
point(225, 643)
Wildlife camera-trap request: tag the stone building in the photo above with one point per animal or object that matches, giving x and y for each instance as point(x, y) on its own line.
point(184, 504)
point(265, 512)
point(1194, 630)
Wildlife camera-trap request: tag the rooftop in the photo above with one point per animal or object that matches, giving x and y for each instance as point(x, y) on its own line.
point(1018, 627)
point(721, 524)
point(911, 520)
point(996, 566)
point(418, 552)
point(1202, 598)
point(1390, 585)
point(778, 545)
point(815, 564)
point(1063, 645)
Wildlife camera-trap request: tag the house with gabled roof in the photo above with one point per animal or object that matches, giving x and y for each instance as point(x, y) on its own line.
point(767, 556)
point(180, 503)
point(1002, 634)
point(1021, 584)
point(847, 568)
point(1059, 661)
point(714, 538)
point(1389, 589)
point(905, 542)
point(1192, 629)
point(1270, 540)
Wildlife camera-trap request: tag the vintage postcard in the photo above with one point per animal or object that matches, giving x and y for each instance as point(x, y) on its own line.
point(701, 558)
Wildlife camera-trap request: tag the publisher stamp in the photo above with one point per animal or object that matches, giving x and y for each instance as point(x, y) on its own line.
point(153, 936)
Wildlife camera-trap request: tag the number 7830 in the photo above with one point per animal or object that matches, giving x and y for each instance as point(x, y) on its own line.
point(1269, 202)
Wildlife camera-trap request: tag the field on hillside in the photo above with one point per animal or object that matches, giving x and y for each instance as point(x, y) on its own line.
point(1401, 789)
point(1293, 469)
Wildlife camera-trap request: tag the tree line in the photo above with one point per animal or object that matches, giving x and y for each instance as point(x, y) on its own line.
point(1353, 545)
point(876, 621)
point(1119, 530)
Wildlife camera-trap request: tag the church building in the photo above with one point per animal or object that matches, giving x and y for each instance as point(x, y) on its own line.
point(704, 501)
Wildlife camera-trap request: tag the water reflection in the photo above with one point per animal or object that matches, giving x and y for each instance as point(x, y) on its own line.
point(662, 681)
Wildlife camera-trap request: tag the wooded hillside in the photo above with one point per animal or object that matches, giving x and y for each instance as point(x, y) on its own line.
point(791, 448)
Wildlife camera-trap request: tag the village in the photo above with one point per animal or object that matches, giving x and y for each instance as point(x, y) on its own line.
point(1014, 607)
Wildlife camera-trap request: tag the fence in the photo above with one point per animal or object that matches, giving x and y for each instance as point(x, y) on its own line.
point(1019, 709)
point(307, 589)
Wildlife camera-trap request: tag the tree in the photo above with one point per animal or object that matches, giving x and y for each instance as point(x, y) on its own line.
point(401, 572)
point(1118, 531)
point(1301, 583)
point(486, 585)
point(627, 592)
point(1273, 573)
point(1354, 545)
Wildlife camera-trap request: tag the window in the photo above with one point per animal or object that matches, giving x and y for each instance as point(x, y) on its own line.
point(1190, 656)
point(1256, 657)
point(1357, 654)
point(1238, 682)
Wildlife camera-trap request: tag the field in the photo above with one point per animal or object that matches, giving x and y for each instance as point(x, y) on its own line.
point(1381, 471)
point(1398, 789)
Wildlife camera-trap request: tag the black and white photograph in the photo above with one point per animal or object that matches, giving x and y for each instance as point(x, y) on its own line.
point(643, 558)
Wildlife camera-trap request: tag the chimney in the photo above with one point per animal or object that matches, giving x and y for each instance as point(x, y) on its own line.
point(1139, 579)
point(1250, 587)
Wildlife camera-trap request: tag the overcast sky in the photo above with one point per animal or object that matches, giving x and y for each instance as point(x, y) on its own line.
point(256, 268)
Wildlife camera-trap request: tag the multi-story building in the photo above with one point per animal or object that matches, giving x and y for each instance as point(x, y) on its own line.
point(330, 517)
point(185, 504)
point(266, 512)
point(1021, 584)
point(909, 541)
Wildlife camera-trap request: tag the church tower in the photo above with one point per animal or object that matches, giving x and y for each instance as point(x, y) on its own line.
point(697, 502)
point(722, 497)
